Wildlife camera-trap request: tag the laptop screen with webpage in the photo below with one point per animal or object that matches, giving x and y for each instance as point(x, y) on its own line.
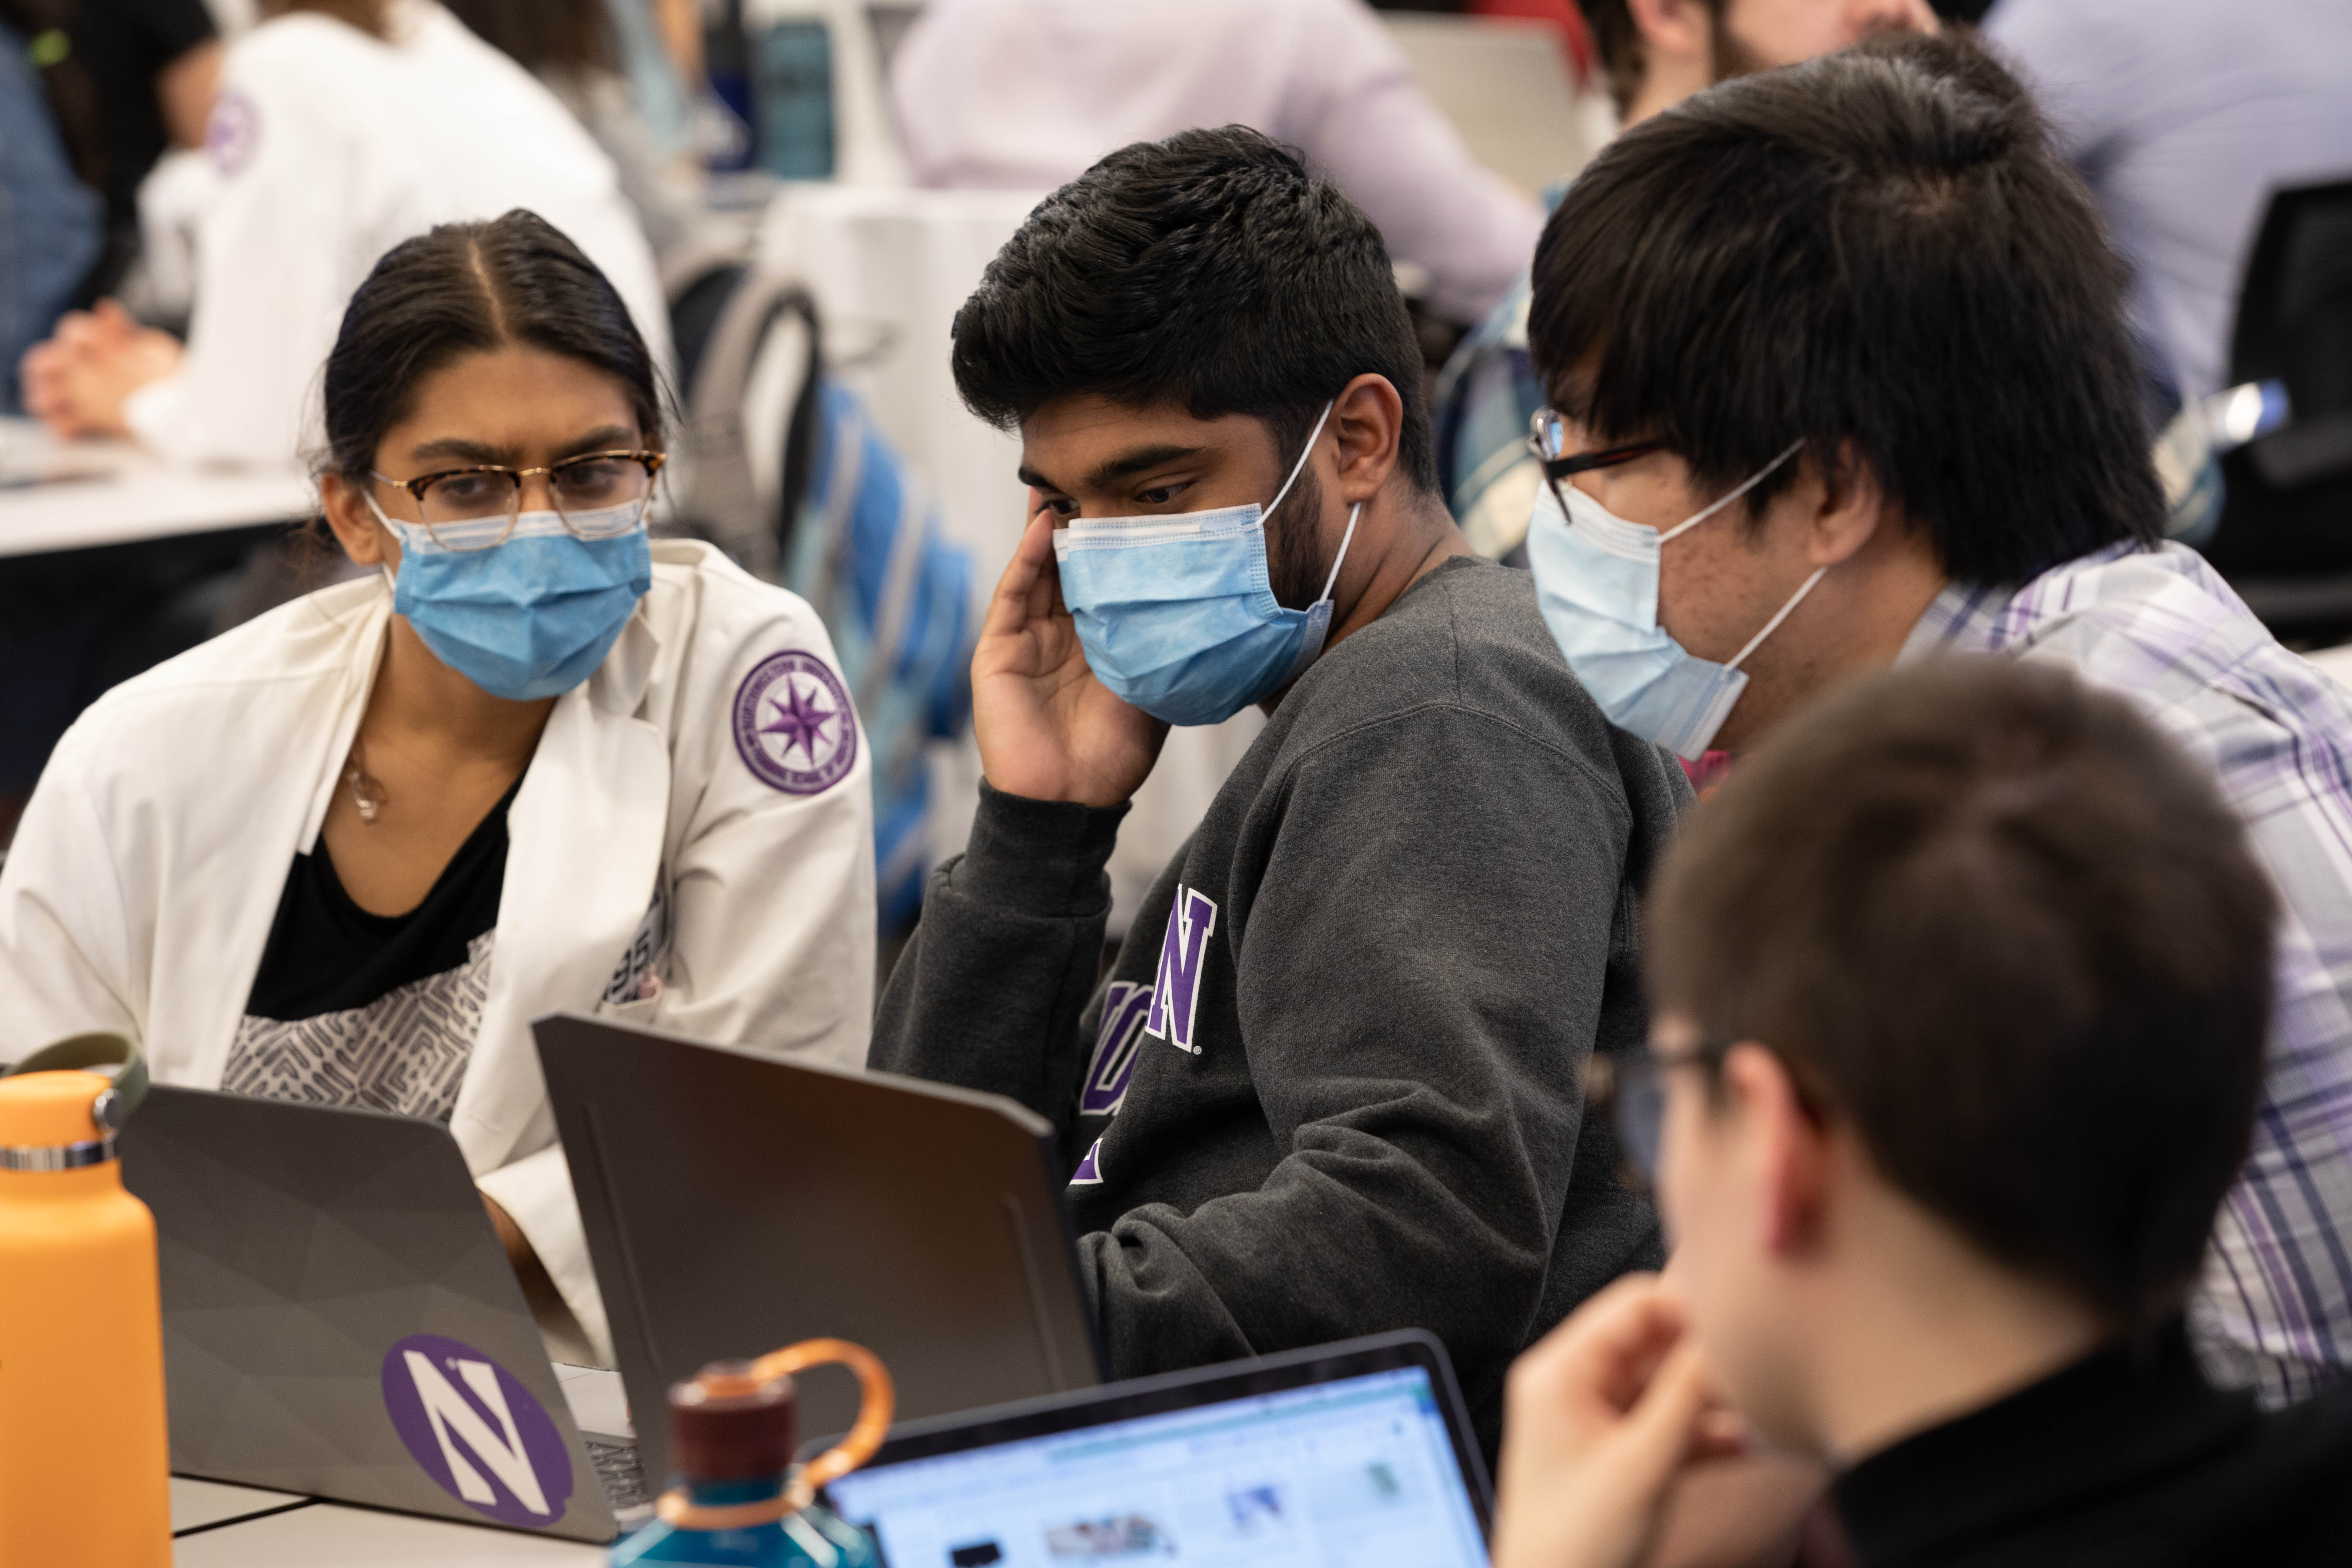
point(1357, 1471)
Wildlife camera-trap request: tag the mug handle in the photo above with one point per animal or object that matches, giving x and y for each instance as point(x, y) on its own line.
point(878, 1397)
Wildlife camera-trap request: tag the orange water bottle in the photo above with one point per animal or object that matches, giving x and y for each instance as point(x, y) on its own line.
point(85, 1462)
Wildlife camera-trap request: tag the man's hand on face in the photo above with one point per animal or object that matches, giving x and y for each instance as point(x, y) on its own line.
point(1602, 1415)
point(1048, 729)
point(78, 382)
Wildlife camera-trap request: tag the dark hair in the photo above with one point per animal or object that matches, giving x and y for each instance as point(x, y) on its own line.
point(1879, 248)
point(1618, 40)
point(543, 36)
point(2000, 923)
point(1210, 270)
point(467, 287)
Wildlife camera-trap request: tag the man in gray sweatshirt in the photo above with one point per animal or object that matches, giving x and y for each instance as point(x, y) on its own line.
point(1333, 1084)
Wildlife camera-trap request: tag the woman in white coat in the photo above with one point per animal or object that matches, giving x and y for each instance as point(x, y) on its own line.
point(342, 127)
point(347, 852)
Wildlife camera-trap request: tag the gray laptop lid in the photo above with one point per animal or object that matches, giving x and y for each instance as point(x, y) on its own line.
point(340, 1319)
point(734, 1203)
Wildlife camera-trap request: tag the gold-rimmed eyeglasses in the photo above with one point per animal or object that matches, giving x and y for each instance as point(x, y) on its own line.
point(597, 495)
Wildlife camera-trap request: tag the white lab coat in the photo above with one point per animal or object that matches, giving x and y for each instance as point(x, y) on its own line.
point(149, 865)
point(1027, 94)
point(330, 148)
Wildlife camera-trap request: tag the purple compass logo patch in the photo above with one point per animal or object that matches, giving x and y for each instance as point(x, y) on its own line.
point(793, 725)
point(472, 1427)
point(233, 132)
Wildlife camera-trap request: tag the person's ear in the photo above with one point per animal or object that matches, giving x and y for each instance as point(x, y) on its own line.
point(1788, 1152)
point(1367, 417)
point(1678, 30)
point(367, 542)
point(1847, 506)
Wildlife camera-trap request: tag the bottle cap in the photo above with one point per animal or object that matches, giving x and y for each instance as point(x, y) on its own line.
point(729, 1425)
point(52, 1113)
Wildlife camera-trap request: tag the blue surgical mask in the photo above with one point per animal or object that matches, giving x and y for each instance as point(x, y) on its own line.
point(1597, 582)
point(528, 618)
point(1177, 614)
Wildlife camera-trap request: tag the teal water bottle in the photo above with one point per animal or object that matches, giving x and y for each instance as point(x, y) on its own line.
point(739, 1500)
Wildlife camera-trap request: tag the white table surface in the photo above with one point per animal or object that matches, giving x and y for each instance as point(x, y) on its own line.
point(86, 493)
point(199, 1505)
point(242, 1527)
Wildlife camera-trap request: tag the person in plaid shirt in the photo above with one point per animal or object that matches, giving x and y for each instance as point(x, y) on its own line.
point(1839, 379)
point(1652, 54)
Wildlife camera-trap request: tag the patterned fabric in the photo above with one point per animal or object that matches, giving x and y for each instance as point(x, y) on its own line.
point(2275, 1308)
point(405, 1052)
point(637, 975)
point(1485, 397)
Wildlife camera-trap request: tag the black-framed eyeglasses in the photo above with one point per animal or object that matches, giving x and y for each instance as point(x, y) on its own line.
point(1548, 439)
point(1630, 1091)
point(597, 495)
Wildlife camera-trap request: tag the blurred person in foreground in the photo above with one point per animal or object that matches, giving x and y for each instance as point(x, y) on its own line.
point(1925, 435)
point(1654, 54)
point(1961, 989)
point(1027, 94)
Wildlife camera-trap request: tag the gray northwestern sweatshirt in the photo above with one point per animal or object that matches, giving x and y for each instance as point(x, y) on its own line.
point(1332, 1084)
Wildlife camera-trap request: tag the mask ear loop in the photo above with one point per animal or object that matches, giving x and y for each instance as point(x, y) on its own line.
point(1774, 623)
point(1750, 483)
point(391, 583)
point(1304, 453)
point(1346, 539)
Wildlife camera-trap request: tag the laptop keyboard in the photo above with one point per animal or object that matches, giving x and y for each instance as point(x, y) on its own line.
point(620, 1479)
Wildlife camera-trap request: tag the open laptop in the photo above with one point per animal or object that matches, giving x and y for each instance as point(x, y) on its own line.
point(1347, 1454)
point(340, 1320)
point(734, 1203)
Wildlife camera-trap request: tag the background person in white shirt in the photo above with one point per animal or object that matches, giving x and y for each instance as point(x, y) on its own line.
point(1029, 94)
point(342, 130)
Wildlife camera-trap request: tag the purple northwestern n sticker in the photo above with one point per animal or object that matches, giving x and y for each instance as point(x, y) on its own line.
point(1183, 956)
point(1116, 1039)
point(471, 1426)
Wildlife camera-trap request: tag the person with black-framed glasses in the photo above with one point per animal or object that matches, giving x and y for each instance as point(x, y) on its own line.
point(1923, 437)
point(531, 759)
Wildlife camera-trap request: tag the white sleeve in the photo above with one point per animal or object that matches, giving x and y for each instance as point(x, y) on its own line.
point(273, 255)
point(770, 940)
point(536, 1193)
point(771, 915)
point(1356, 111)
point(65, 942)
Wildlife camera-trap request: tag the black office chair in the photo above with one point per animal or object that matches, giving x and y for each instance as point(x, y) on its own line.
point(2285, 536)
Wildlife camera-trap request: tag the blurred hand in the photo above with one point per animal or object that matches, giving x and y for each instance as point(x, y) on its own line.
point(1048, 729)
point(77, 380)
point(1601, 1416)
